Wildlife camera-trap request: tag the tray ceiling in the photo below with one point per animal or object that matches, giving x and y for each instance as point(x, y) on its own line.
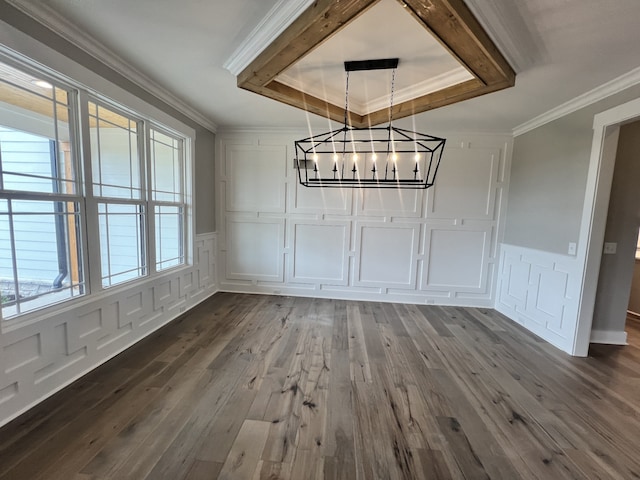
point(445, 57)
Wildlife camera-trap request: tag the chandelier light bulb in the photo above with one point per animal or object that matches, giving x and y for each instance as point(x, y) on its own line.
point(374, 157)
point(335, 157)
point(315, 157)
point(417, 157)
point(394, 157)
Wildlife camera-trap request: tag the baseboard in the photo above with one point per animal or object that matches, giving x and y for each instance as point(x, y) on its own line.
point(608, 337)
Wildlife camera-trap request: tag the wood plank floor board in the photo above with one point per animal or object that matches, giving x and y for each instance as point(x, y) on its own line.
point(242, 460)
point(266, 387)
point(138, 432)
point(54, 446)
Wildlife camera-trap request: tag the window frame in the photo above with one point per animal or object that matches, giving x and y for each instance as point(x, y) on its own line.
point(84, 87)
point(97, 276)
point(153, 202)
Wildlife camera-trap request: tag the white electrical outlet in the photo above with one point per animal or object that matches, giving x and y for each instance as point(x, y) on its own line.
point(610, 248)
point(572, 248)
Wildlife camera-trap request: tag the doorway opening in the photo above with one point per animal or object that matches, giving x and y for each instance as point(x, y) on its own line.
point(607, 132)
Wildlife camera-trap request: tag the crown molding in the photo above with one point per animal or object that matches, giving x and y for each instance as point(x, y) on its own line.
point(444, 80)
point(599, 93)
point(55, 22)
point(283, 13)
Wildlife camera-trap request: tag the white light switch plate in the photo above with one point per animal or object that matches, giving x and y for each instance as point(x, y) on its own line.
point(610, 248)
point(572, 248)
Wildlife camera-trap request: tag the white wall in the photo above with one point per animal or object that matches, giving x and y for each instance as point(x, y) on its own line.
point(416, 246)
point(43, 356)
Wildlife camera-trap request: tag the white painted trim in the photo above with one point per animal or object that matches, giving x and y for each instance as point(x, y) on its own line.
point(283, 13)
point(609, 338)
point(48, 17)
point(444, 80)
point(594, 217)
point(603, 91)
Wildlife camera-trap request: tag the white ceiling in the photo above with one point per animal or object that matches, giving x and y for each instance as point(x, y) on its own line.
point(560, 49)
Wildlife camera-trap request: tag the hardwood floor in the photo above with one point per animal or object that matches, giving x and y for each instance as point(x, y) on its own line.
point(262, 387)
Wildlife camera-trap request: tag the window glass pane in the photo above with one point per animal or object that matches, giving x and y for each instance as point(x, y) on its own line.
point(167, 167)
point(35, 138)
point(169, 243)
point(115, 162)
point(40, 252)
point(121, 242)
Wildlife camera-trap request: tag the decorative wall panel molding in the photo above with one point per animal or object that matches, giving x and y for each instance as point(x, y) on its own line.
point(321, 254)
point(360, 244)
point(387, 254)
point(458, 258)
point(540, 291)
point(466, 184)
point(391, 202)
point(257, 248)
point(40, 358)
point(245, 171)
point(333, 201)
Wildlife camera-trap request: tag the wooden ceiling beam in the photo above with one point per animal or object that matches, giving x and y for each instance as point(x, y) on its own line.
point(454, 26)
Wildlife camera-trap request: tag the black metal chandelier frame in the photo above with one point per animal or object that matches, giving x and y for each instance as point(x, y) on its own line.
point(373, 157)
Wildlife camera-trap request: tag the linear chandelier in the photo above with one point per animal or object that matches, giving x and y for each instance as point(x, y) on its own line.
point(370, 157)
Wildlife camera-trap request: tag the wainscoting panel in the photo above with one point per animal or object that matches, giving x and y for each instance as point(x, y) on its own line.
point(258, 248)
point(244, 165)
point(466, 184)
point(540, 291)
point(332, 201)
point(458, 259)
point(320, 253)
point(412, 246)
point(391, 203)
point(41, 357)
point(387, 254)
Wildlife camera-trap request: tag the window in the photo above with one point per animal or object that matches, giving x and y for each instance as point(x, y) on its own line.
point(116, 210)
point(167, 167)
point(40, 206)
point(117, 174)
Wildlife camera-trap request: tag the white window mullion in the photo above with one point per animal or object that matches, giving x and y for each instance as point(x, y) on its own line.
point(149, 179)
point(91, 232)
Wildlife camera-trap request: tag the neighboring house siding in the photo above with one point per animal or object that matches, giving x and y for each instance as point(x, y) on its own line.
point(36, 252)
